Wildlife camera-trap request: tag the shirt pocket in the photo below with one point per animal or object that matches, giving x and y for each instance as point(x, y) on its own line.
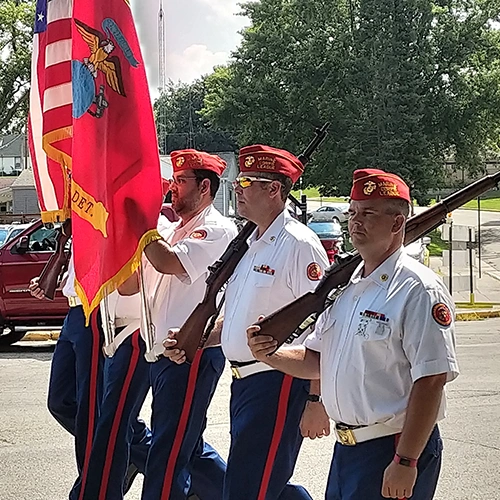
point(374, 337)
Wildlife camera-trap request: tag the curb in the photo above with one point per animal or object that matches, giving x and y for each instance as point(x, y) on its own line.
point(477, 315)
point(40, 336)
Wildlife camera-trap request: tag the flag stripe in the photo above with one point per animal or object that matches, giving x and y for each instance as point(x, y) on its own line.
point(58, 52)
point(59, 30)
point(54, 97)
point(59, 75)
point(59, 9)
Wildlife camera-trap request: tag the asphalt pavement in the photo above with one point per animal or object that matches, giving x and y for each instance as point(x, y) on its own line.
point(36, 454)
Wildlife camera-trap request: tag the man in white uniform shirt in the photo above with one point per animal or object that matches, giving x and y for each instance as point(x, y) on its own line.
point(175, 272)
point(384, 350)
point(285, 259)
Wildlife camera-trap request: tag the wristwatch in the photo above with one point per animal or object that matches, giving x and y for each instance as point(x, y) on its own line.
point(407, 462)
point(314, 398)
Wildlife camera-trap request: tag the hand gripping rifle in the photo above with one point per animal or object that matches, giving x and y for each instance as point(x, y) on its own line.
point(49, 277)
point(195, 331)
point(291, 321)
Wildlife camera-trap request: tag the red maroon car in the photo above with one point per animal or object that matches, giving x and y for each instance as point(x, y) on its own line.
point(331, 237)
point(22, 258)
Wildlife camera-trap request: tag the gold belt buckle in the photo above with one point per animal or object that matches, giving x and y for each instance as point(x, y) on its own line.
point(73, 301)
point(235, 372)
point(346, 437)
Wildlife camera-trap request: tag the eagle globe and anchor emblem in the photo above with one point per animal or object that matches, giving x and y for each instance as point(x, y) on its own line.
point(100, 60)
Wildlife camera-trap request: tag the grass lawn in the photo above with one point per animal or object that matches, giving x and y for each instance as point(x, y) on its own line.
point(491, 204)
point(313, 193)
point(437, 245)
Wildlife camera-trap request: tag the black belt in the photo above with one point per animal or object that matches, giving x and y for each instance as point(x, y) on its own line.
point(241, 364)
point(346, 427)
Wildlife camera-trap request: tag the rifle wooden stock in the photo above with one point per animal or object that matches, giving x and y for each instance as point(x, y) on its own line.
point(283, 323)
point(193, 334)
point(49, 277)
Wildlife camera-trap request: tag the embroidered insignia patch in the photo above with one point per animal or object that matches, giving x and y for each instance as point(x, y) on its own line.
point(314, 272)
point(200, 234)
point(441, 314)
point(369, 187)
point(264, 270)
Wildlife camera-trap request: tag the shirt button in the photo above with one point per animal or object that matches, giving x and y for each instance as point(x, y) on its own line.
point(355, 298)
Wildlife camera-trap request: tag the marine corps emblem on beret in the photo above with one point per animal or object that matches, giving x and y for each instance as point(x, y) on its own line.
point(314, 271)
point(441, 314)
point(200, 234)
point(369, 187)
point(249, 161)
point(180, 161)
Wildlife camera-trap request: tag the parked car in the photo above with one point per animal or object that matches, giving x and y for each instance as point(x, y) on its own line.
point(332, 213)
point(419, 251)
point(331, 237)
point(21, 259)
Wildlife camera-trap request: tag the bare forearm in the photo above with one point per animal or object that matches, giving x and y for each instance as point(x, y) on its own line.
point(129, 287)
point(297, 361)
point(315, 387)
point(163, 259)
point(421, 415)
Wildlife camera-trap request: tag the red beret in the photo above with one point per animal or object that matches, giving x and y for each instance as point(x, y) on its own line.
point(371, 184)
point(191, 159)
point(259, 158)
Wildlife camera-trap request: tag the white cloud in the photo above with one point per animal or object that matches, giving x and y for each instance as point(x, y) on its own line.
point(193, 62)
point(223, 8)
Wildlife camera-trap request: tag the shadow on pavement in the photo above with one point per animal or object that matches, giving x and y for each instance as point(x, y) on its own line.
point(41, 351)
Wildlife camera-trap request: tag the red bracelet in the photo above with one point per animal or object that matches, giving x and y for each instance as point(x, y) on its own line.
point(407, 462)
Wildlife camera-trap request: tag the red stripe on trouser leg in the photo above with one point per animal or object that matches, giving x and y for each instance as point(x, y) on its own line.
point(277, 433)
point(181, 428)
point(134, 359)
point(396, 441)
point(94, 367)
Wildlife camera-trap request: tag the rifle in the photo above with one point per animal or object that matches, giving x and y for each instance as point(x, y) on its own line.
point(291, 321)
point(195, 331)
point(49, 277)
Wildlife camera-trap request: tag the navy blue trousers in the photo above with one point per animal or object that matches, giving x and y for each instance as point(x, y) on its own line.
point(266, 409)
point(179, 463)
point(75, 384)
point(357, 471)
point(120, 437)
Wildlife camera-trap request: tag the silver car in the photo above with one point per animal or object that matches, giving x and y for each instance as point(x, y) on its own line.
point(330, 213)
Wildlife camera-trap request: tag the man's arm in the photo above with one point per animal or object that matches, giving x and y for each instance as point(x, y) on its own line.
point(129, 287)
point(297, 361)
point(315, 421)
point(421, 415)
point(163, 258)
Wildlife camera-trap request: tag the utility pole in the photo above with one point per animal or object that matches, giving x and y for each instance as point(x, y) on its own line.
point(161, 49)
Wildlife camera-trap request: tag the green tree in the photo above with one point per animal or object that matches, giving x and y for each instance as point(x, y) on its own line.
point(179, 124)
point(404, 84)
point(16, 35)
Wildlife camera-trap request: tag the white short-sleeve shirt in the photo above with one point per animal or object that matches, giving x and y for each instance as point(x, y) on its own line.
point(284, 263)
point(197, 244)
point(384, 332)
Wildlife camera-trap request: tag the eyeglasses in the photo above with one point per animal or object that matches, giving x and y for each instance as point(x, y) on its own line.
point(181, 180)
point(247, 181)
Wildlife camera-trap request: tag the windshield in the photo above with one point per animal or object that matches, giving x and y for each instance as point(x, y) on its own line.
point(326, 229)
point(3, 235)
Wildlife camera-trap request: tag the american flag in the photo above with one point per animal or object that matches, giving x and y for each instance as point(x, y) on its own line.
point(50, 120)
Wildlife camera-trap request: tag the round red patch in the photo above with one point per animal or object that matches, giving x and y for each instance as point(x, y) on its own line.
point(314, 271)
point(200, 234)
point(441, 314)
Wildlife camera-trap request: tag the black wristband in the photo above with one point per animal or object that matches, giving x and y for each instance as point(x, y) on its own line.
point(314, 398)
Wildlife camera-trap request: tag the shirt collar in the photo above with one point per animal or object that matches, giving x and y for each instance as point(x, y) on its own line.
point(384, 273)
point(272, 232)
point(194, 222)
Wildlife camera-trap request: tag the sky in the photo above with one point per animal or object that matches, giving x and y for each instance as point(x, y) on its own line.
point(199, 34)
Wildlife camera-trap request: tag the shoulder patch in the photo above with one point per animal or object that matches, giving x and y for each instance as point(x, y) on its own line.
point(314, 272)
point(441, 314)
point(200, 234)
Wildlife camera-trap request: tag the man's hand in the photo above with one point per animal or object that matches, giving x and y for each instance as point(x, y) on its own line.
point(315, 422)
point(260, 345)
point(176, 355)
point(398, 481)
point(35, 290)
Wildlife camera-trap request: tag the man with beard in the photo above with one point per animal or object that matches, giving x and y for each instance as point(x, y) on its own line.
point(175, 270)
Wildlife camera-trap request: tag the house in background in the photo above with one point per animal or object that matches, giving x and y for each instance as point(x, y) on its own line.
point(24, 197)
point(13, 154)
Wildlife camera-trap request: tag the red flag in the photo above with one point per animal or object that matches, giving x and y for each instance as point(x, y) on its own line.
point(116, 185)
point(50, 121)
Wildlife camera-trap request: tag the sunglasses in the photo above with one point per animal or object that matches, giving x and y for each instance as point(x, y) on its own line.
point(247, 181)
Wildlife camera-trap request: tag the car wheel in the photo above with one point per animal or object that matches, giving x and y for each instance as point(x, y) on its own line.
point(11, 337)
point(336, 220)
